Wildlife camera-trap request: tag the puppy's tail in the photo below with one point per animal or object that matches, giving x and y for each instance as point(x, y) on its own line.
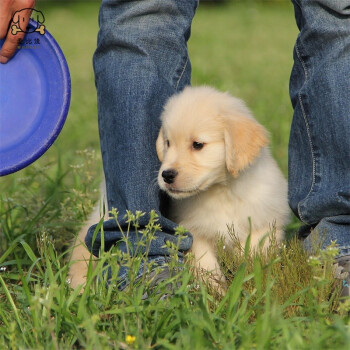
point(80, 255)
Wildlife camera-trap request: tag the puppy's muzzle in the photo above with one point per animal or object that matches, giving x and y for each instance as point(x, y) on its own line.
point(169, 175)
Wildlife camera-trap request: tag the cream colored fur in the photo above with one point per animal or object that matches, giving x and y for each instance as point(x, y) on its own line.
point(80, 256)
point(231, 179)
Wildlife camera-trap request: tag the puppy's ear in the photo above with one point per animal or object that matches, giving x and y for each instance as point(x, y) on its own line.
point(244, 137)
point(160, 145)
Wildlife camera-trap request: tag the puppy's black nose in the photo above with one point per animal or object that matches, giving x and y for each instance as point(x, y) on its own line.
point(169, 175)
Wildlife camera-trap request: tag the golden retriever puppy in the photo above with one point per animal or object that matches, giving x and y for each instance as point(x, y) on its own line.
point(219, 172)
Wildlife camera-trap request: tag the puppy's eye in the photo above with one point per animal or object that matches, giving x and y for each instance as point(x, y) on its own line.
point(197, 145)
point(167, 143)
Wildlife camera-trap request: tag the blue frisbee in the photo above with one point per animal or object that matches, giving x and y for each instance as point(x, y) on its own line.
point(34, 100)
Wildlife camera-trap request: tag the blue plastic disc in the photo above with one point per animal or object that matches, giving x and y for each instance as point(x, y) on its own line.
point(35, 94)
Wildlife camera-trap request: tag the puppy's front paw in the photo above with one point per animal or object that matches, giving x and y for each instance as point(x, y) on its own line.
point(207, 264)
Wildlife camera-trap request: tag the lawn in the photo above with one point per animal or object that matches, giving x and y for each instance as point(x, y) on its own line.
point(276, 300)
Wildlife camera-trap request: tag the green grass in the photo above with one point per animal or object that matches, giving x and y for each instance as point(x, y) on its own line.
point(277, 300)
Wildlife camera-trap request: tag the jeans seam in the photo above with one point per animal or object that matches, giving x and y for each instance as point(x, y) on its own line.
point(343, 252)
point(182, 73)
point(308, 134)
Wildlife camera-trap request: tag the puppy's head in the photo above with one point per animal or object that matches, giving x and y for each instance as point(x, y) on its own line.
point(205, 136)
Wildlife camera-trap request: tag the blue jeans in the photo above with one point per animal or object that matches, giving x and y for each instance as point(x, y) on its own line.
point(140, 61)
point(319, 146)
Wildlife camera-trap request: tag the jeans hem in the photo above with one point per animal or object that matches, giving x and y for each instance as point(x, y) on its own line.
point(343, 251)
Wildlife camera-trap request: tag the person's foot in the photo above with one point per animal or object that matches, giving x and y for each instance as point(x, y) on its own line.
point(159, 272)
point(157, 277)
point(342, 272)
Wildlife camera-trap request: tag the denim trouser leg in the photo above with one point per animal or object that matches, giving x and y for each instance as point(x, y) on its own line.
point(319, 147)
point(140, 61)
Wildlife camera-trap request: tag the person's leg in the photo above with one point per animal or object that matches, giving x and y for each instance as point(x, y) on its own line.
point(319, 146)
point(140, 61)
